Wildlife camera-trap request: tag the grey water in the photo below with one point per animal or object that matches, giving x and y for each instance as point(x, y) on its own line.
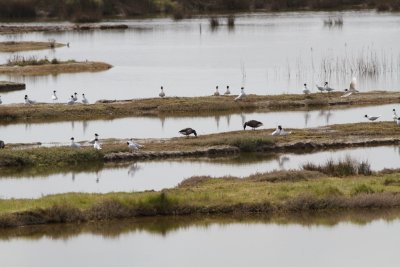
point(344, 240)
point(56, 133)
point(158, 175)
point(268, 53)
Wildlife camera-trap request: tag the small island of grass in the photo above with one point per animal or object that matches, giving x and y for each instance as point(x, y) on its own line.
point(33, 66)
point(12, 46)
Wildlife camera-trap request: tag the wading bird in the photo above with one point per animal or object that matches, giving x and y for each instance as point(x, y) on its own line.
point(241, 95)
point(372, 118)
point(54, 96)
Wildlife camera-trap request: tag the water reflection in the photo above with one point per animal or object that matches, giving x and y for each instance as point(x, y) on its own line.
point(344, 239)
point(166, 127)
point(157, 175)
point(258, 53)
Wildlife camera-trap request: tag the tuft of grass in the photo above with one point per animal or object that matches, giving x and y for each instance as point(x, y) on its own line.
point(362, 189)
point(342, 168)
point(251, 144)
point(33, 61)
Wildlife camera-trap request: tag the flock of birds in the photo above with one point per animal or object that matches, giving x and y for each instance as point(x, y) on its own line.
point(133, 146)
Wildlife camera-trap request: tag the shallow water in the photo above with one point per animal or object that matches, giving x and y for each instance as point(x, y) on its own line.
point(166, 127)
point(157, 175)
point(350, 241)
point(268, 53)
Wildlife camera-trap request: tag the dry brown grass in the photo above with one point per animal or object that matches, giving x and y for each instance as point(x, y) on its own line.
point(11, 46)
point(62, 67)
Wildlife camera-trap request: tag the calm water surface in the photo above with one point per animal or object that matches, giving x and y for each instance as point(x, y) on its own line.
point(165, 127)
point(221, 242)
point(157, 175)
point(268, 53)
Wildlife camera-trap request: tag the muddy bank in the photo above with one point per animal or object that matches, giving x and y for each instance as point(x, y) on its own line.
point(6, 86)
point(183, 106)
point(12, 46)
point(14, 29)
point(60, 67)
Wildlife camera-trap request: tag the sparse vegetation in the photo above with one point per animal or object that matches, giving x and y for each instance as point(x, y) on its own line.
point(342, 168)
point(13, 46)
point(259, 193)
point(33, 61)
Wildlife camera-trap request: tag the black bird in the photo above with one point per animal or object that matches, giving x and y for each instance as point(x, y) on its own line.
point(188, 131)
point(2, 145)
point(252, 124)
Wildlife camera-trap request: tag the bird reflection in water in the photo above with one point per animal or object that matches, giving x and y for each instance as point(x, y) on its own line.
point(133, 169)
point(228, 119)
point(97, 177)
point(282, 160)
point(217, 119)
point(306, 118)
point(85, 125)
point(162, 120)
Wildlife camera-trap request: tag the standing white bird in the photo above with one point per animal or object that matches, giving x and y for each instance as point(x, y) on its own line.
point(75, 96)
point(320, 88)
point(96, 144)
point(372, 118)
point(84, 99)
point(54, 96)
point(241, 95)
point(306, 90)
point(96, 136)
point(29, 101)
point(73, 144)
point(327, 88)
point(71, 100)
point(395, 117)
point(162, 94)
point(353, 85)
point(216, 93)
point(227, 92)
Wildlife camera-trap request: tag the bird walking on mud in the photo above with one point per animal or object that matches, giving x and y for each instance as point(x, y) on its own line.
point(188, 131)
point(252, 124)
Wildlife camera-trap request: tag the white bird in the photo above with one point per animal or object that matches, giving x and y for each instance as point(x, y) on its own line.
point(54, 96)
point(73, 144)
point(133, 146)
point(162, 94)
point(1, 102)
point(373, 118)
point(283, 132)
point(96, 144)
point(84, 99)
point(306, 90)
point(241, 95)
point(327, 88)
point(227, 92)
point(133, 142)
point(71, 101)
point(277, 131)
point(353, 84)
point(320, 88)
point(94, 139)
point(395, 117)
point(216, 93)
point(28, 101)
point(75, 96)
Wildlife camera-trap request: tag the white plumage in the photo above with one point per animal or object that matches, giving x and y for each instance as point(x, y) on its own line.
point(75, 96)
point(54, 96)
point(96, 144)
point(84, 99)
point(162, 94)
point(73, 144)
point(372, 118)
point(71, 100)
point(241, 95)
point(306, 90)
point(29, 101)
point(216, 93)
point(320, 88)
point(227, 92)
point(395, 117)
point(94, 139)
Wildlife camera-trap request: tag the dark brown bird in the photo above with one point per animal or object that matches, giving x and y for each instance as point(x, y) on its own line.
point(252, 124)
point(2, 145)
point(188, 131)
